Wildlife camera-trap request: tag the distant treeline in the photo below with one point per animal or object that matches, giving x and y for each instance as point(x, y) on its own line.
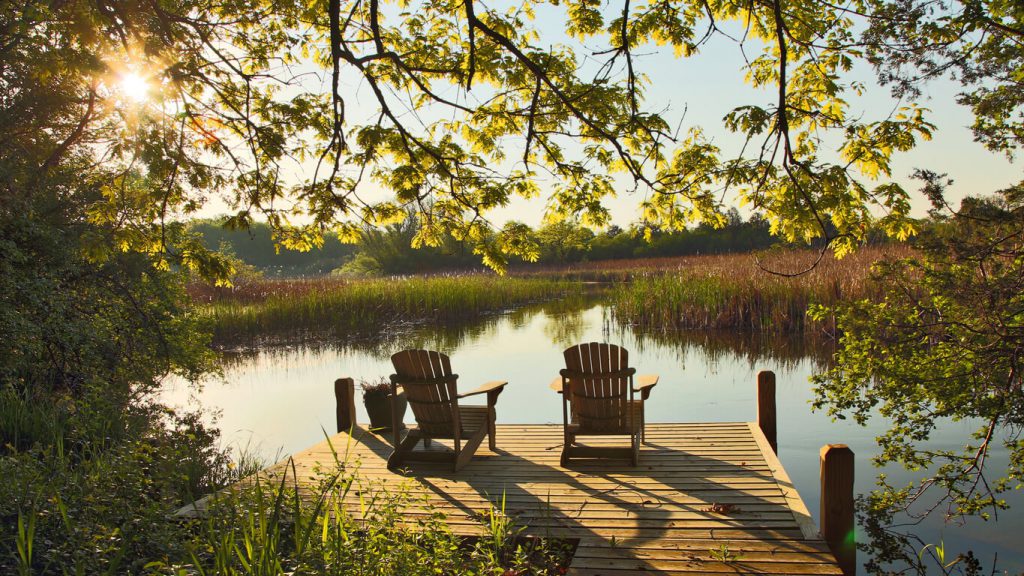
point(388, 250)
point(255, 247)
point(737, 236)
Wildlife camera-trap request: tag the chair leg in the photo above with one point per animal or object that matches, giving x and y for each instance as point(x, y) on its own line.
point(491, 429)
point(567, 444)
point(635, 457)
point(469, 448)
point(396, 458)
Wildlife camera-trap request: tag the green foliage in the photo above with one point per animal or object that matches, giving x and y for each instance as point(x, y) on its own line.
point(94, 315)
point(737, 236)
point(256, 248)
point(942, 345)
point(103, 507)
point(401, 248)
point(979, 41)
point(78, 309)
point(25, 539)
point(362, 265)
point(110, 513)
point(466, 112)
point(724, 554)
point(563, 241)
point(410, 247)
point(25, 421)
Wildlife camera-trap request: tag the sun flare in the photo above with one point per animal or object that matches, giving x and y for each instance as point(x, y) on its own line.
point(134, 87)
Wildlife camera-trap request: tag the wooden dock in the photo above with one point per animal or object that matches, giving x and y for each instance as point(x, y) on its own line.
point(706, 498)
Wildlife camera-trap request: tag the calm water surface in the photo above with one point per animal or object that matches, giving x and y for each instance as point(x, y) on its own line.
point(279, 401)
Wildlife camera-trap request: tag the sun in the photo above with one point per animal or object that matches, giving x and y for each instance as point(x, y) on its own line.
point(134, 87)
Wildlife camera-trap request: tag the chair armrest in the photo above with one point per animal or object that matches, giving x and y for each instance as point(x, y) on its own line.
point(396, 379)
point(645, 383)
point(556, 384)
point(492, 386)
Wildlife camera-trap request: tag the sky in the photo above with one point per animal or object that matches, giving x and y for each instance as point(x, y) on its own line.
point(699, 91)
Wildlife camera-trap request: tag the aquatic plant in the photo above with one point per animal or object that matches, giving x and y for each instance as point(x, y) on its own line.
point(338, 308)
point(759, 293)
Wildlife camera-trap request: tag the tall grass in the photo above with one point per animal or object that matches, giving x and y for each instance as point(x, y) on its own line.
point(26, 421)
point(338, 308)
point(738, 292)
point(341, 524)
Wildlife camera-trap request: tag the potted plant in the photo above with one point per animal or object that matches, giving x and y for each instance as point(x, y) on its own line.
point(377, 399)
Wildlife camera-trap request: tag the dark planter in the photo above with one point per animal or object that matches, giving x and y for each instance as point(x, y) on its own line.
point(378, 407)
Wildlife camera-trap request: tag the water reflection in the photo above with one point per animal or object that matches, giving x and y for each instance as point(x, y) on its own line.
point(751, 349)
point(564, 322)
point(281, 398)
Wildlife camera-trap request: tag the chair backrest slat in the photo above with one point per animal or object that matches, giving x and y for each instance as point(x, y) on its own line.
point(432, 399)
point(599, 401)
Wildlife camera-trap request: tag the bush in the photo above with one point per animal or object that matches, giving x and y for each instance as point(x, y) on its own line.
point(107, 509)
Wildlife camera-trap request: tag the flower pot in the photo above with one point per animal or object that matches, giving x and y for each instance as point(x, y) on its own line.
point(378, 407)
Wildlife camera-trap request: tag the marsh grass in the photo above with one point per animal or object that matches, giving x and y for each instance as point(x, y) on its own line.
point(338, 308)
point(740, 292)
point(737, 292)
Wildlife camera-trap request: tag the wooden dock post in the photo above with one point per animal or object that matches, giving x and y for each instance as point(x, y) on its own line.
point(345, 396)
point(837, 514)
point(766, 416)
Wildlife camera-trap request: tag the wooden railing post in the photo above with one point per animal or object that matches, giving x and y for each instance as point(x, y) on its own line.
point(766, 418)
point(345, 396)
point(837, 514)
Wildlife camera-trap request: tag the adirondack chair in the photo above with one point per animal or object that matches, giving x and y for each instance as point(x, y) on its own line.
point(430, 387)
point(598, 399)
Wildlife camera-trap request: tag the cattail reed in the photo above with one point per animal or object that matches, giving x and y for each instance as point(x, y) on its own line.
point(328, 307)
point(770, 292)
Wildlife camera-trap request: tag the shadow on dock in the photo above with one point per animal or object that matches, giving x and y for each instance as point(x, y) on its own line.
point(705, 498)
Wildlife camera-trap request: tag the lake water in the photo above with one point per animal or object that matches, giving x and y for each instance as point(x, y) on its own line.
point(281, 400)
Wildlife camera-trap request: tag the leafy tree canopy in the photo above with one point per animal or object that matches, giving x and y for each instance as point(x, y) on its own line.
point(255, 102)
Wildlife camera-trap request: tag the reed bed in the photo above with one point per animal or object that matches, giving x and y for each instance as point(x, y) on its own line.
point(337, 308)
point(740, 292)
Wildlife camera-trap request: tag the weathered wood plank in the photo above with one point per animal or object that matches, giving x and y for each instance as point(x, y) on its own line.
point(796, 504)
point(702, 555)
